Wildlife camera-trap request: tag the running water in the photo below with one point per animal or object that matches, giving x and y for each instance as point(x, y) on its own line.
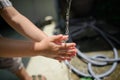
point(67, 33)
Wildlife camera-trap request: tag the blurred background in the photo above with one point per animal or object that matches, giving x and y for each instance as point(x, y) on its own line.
point(49, 15)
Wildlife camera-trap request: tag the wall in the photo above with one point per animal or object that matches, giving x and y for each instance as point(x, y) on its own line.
point(36, 10)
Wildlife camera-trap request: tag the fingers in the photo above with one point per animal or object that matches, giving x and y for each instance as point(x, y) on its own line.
point(59, 38)
point(67, 50)
point(67, 45)
point(68, 53)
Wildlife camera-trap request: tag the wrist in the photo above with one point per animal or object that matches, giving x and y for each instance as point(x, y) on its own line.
point(37, 48)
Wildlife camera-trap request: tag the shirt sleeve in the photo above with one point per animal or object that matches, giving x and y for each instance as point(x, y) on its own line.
point(5, 3)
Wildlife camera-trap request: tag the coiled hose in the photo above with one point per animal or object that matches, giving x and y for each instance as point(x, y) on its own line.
point(99, 59)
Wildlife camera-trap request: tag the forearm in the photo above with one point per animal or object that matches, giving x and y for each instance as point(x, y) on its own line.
point(27, 28)
point(16, 48)
point(21, 24)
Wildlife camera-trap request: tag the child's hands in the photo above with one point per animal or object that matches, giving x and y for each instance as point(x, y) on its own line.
point(54, 47)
